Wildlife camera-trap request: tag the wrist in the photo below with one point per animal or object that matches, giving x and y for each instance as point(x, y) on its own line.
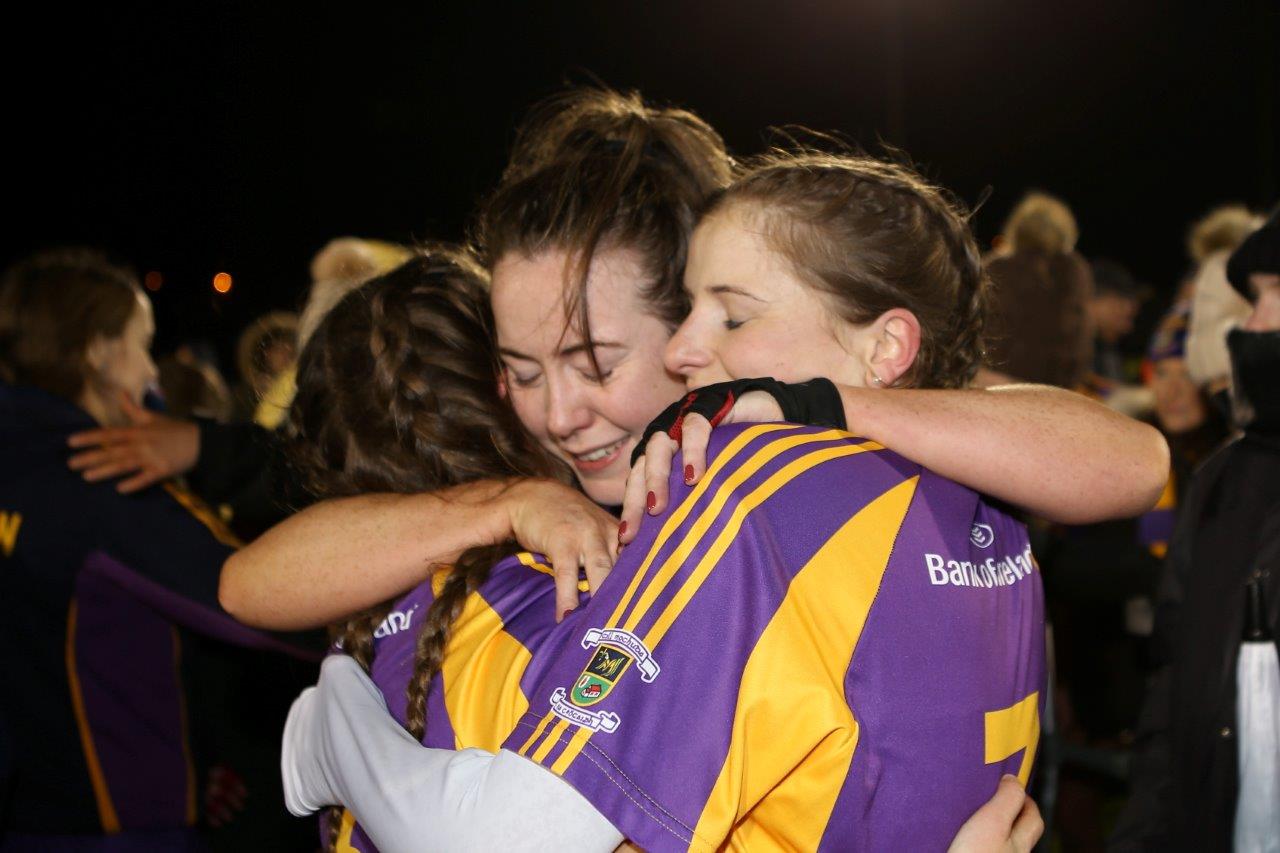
point(495, 504)
point(516, 497)
point(859, 409)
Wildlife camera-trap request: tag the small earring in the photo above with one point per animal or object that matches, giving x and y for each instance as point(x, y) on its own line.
point(877, 380)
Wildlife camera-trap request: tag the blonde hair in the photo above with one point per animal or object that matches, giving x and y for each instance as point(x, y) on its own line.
point(340, 267)
point(254, 340)
point(1041, 223)
point(1221, 230)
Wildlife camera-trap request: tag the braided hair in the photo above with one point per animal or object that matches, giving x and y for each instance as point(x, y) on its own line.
point(874, 235)
point(397, 392)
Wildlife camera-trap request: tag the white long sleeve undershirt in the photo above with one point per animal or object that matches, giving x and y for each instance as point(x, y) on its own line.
point(342, 747)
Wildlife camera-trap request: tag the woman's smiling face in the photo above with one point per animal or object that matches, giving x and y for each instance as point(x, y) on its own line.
point(591, 421)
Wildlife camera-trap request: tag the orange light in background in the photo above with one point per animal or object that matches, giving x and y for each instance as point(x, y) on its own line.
point(222, 282)
point(153, 281)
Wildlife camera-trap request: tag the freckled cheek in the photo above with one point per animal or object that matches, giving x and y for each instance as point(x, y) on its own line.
point(743, 353)
point(777, 349)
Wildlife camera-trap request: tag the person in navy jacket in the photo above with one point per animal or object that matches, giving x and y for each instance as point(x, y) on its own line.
point(97, 583)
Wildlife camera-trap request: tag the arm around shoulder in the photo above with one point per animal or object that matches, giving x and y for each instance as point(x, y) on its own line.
point(1053, 452)
point(343, 555)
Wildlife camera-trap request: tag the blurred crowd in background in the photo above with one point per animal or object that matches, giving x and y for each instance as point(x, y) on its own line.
point(1155, 351)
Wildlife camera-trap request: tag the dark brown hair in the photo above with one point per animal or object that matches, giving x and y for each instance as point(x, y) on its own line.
point(595, 168)
point(397, 392)
point(52, 307)
point(874, 235)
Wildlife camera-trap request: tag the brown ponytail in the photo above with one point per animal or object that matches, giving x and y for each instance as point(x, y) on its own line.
point(874, 235)
point(397, 392)
point(595, 168)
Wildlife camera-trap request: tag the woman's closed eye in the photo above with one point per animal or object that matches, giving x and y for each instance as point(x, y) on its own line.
point(526, 379)
point(597, 378)
point(732, 324)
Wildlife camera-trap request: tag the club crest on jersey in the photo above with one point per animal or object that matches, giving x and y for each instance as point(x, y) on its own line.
point(600, 675)
point(982, 535)
point(614, 652)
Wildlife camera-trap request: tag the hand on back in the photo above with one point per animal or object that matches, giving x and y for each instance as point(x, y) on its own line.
point(152, 448)
point(1009, 822)
point(574, 533)
point(647, 485)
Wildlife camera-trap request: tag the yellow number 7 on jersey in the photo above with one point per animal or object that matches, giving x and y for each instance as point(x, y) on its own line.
point(1011, 729)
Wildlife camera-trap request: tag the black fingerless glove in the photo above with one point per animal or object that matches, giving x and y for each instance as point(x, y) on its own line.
point(813, 403)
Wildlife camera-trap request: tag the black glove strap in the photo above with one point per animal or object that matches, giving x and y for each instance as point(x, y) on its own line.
point(813, 403)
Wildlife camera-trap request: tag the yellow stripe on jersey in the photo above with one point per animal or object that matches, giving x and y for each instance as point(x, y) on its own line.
point(343, 842)
point(552, 739)
point(576, 743)
point(537, 733)
point(204, 515)
point(709, 517)
point(481, 671)
point(527, 559)
point(705, 566)
point(681, 512)
point(101, 793)
point(761, 494)
point(794, 683)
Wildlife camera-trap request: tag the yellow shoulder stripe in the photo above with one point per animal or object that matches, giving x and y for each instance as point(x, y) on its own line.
point(705, 566)
point(722, 542)
point(724, 491)
point(681, 512)
point(794, 683)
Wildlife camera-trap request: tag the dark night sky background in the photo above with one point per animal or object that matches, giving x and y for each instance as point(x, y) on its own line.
point(194, 138)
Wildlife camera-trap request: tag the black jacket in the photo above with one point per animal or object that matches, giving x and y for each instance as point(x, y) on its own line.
point(1185, 773)
point(95, 584)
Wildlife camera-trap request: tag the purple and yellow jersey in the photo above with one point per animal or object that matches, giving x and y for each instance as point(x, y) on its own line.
point(477, 697)
point(820, 646)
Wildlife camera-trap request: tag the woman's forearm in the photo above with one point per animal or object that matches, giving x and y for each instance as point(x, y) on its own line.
point(1052, 452)
point(341, 556)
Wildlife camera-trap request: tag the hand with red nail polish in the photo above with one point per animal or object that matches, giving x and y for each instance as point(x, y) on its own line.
point(562, 523)
point(686, 427)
